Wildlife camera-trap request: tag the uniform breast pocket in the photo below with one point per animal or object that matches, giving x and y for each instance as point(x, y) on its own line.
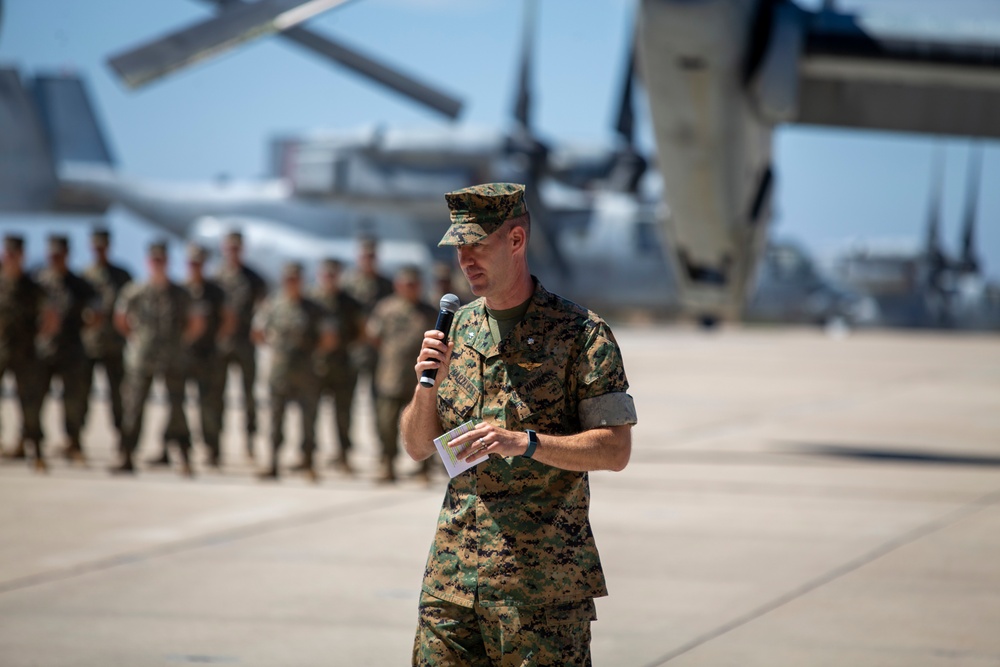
point(458, 397)
point(539, 401)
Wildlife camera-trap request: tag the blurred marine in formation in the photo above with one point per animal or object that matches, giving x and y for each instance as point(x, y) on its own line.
point(245, 290)
point(338, 376)
point(70, 300)
point(297, 330)
point(21, 307)
point(396, 328)
point(368, 287)
point(158, 320)
point(205, 365)
point(102, 341)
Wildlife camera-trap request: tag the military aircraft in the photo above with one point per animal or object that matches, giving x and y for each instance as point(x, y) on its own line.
point(720, 75)
point(918, 284)
point(709, 258)
point(596, 244)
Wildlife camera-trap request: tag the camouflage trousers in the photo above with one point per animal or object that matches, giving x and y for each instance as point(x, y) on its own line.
point(113, 364)
point(303, 390)
point(548, 635)
point(137, 386)
point(341, 390)
point(29, 394)
point(244, 355)
point(72, 369)
point(387, 411)
point(209, 375)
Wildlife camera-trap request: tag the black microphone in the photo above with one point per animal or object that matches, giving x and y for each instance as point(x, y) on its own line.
point(449, 304)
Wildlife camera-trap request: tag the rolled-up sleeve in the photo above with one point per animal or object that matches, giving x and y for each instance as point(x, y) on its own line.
point(602, 386)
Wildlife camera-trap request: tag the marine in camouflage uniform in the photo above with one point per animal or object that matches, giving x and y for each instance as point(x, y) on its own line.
point(61, 353)
point(103, 343)
point(297, 330)
point(22, 302)
point(368, 287)
point(245, 290)
point(338, 376)
point(513, 569)
point(205, 365)
point(396, 327)
point(158, 320)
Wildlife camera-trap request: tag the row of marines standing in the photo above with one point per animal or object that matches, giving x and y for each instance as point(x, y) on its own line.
point(66, 325)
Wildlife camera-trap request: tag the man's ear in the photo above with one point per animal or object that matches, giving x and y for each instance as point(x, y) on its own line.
point(518, 237)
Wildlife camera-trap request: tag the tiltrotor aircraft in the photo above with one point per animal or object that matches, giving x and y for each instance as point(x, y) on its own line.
point(719, 74)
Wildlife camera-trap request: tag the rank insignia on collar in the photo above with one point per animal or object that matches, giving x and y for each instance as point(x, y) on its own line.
point(531, 341)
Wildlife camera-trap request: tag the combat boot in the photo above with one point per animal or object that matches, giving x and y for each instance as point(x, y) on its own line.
point(309, 469)
point(302, 466)
point(388, 474)
point(341, 463)
point(74, 452)
point(17, 454)
point(268, 474)
point(126, 467)
point(162, 460)
point(186, 469)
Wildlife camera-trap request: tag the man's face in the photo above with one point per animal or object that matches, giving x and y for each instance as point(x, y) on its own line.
point(57, 259)
point(232, 251)
point(12, 260)
point(487, 264)
point(100, 251)
point(292, 285)
point(367, 261)
point(157, 266)
point(329, 279)
point(195, 269)
point(408, 287)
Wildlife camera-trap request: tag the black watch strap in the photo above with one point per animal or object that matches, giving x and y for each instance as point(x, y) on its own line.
point(532, 444)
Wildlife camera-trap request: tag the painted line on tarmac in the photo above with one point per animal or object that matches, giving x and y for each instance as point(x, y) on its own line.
point(903, 540)
point(226, 536)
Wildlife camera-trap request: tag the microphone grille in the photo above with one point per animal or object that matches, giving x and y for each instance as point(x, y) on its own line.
point(450, 302)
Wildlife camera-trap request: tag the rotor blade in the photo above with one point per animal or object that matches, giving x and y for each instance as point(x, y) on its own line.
point(933, 248)
point(234, 25)
point(626, 113)
point(968, 261)
point(366, 66)
point(522, 108)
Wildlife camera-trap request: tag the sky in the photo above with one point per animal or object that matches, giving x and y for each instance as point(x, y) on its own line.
point(834, 187)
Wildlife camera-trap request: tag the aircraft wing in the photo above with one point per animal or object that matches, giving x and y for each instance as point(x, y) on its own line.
point(886, 74)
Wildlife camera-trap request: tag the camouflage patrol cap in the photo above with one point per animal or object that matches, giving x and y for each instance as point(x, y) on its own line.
point(234, 238)
point(197, 254)
point(157, 250)
point(100, 237)
point(442, 271)
point(13, 243)
point(478, 211)
point(58, 243)
point(331, 265)
point(409, 273)
point(292, 270)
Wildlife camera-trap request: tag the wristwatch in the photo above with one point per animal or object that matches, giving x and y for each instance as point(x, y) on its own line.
point(532, 444)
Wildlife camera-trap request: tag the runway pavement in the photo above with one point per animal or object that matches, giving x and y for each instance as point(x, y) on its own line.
point(793, 499)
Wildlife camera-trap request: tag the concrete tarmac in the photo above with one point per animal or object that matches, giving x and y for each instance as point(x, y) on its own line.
point(793, 499)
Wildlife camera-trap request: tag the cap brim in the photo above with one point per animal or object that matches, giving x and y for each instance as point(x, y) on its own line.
point(463, 234)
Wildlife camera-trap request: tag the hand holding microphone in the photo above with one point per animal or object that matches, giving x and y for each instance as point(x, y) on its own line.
point(449, 304)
